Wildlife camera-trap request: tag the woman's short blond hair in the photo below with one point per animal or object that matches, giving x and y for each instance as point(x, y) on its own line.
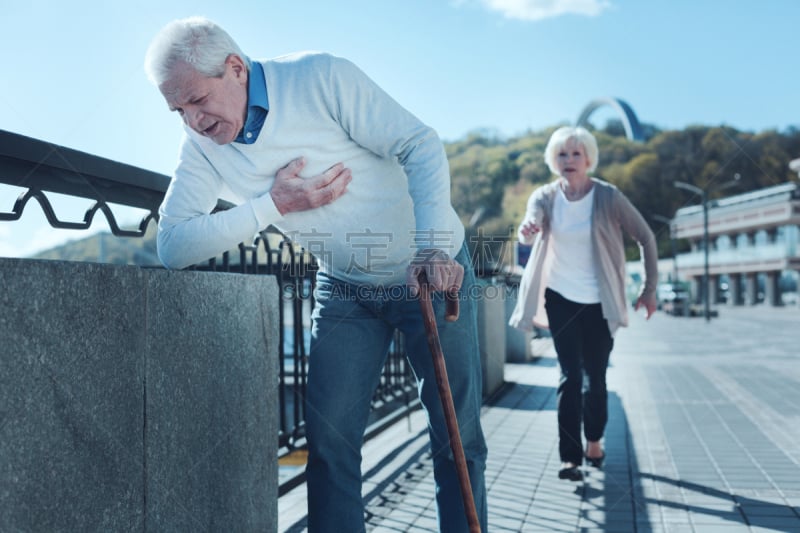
point(560, 137)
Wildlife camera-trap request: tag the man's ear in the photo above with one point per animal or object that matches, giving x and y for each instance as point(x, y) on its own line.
point(238, 67)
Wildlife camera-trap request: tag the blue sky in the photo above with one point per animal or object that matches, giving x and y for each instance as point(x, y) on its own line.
point(73, 70)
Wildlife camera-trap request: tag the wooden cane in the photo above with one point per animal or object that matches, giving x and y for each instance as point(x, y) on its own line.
point(451, 314)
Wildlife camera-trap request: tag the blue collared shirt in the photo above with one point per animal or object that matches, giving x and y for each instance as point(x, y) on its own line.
point(257, 105)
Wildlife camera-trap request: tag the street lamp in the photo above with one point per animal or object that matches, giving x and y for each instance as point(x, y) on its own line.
point(704, 198)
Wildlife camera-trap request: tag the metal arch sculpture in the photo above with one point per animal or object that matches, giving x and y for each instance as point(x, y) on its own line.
point(633, 130)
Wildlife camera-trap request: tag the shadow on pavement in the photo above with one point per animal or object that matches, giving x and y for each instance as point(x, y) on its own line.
point(523, 397)
point(762, 514)
point(611, 499)
point(607, 500)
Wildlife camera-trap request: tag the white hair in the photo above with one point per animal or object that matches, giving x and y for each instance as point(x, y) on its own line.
point(560, 137)
point(195, 41)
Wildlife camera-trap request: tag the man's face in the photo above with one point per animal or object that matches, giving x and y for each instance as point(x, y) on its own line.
point(213, 107)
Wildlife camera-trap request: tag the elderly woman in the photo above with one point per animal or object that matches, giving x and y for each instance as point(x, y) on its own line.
point(574, 285)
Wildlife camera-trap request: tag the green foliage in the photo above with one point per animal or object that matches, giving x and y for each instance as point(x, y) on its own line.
point(494, 177)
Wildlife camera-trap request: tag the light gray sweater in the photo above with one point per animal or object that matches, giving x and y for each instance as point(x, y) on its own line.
point(325, 109)
point(612, 213)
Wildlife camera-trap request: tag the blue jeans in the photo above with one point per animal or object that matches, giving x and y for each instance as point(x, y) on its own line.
point(351, 332)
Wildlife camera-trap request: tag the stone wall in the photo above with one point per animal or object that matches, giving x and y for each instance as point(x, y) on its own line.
point(135, 399)
point(492, 337)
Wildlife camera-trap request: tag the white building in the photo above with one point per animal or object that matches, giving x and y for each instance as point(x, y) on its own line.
point(754, 243)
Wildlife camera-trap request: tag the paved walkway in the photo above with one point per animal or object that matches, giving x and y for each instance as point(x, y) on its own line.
point(703, 437)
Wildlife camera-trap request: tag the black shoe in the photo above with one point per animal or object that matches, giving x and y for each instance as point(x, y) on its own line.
point(596, 462)
point(572, 473)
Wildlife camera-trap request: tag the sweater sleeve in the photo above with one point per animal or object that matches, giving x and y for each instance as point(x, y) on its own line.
point(534, 212)
point(378, 123)
point(635, 225)
point(188, 232)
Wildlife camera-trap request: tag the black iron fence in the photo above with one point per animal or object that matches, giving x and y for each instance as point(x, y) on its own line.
point(40, 169)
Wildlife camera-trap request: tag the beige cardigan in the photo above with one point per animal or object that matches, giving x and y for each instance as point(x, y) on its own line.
point(612, 213)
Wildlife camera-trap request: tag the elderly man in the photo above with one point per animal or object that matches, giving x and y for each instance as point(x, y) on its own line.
point(367, 190)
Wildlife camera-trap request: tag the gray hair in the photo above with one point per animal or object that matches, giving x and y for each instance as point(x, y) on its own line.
point(560, 137)
point(195, 41)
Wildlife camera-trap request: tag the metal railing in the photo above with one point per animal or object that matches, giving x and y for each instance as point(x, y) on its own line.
point(41, 168)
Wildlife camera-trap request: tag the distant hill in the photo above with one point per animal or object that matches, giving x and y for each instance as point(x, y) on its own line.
point(108, 248)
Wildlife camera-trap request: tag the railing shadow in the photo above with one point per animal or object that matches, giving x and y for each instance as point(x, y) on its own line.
point(765, 518)
point(524, 397)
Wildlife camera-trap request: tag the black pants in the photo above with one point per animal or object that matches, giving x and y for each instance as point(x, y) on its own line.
point(583, 344)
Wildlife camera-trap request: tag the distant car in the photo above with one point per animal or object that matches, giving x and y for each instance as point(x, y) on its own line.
point(672, 298)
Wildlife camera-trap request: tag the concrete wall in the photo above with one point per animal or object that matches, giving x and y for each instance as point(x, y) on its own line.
point(518, 342)
point(136, 399)
point(492, 337)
